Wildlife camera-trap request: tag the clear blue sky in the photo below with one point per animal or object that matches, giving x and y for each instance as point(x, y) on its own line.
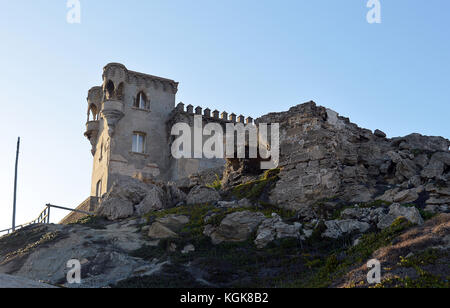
point(246, 56)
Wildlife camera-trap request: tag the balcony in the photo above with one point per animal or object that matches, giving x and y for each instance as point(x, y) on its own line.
point(112, 112)
point(92, 128)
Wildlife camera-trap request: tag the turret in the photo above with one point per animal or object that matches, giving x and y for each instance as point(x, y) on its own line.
point(114, 78)
point(92, 125)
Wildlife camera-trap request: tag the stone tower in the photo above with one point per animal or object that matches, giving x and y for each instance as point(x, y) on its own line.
point(126, 126)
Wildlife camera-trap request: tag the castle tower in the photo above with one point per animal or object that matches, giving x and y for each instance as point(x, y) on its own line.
point(126, 126)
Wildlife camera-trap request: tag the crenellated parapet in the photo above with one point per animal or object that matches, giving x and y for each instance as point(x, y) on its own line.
point(118, 73)
point(214, 116)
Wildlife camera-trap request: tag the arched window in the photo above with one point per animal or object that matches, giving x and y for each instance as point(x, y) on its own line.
point(98, 189)
point(109, 89)
point(141, 101)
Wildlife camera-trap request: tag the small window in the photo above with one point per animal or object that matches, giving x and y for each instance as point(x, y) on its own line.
point(98, 190)
point(141, 101)
point(138, 143)
point(101, 152)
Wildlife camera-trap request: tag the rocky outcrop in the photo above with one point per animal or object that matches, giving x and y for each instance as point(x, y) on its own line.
point(130, 196)
point(416, 258)
point(154, 200)
point(175, 196)
point(115, 208)
point(41, 253)
point(14, 282)
point(396, 211)
point(324, 155)
point(235, 227)
point(368, 215)
point(159, 231)
point(338, 228)
point(166, 227)
point(274, 228)
point(202, 195)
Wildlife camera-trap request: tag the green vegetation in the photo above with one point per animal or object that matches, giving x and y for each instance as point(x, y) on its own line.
point(429, 256)
point(217, 184)
point(94, 222)
point(333, 268)
point(196, 214)
point(426, 215)
point(316, 262)
point(425, 279)
point(46, 238)
point(255, 189)
point(228, 264)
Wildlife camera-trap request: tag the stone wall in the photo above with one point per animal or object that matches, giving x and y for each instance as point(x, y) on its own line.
point(326, 156)
point(184, 167)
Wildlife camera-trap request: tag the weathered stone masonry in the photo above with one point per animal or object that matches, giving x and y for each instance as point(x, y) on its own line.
point(131, 104)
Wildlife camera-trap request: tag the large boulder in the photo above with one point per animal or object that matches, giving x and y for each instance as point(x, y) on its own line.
point(389, 195)
point(274, 228)
point(419, 142)
point(114, 208)
point(407, 196)
point(174, 222)
point(396, 210)
point(167, 226)
point(174, 195)
point(159, 231)
point(154, 200)
point(129, 188)
point(369, 215)
point(338, 228)
point(125, 193)
point(401, 196)
point(437, 165)
point(202, 195)
point(235, 227)
point(406, 169)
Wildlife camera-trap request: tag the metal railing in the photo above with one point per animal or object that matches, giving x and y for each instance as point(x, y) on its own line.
point(43, 218)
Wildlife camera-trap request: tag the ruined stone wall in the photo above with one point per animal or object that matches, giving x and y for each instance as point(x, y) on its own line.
point(323, 155)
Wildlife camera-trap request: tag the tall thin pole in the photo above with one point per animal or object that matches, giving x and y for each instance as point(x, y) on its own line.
point(15, 187)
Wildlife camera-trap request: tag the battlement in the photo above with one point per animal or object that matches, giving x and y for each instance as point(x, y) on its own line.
point(119, 73)
point(212, 116)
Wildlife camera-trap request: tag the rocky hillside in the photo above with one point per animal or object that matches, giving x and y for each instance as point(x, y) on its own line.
point(341, 196)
